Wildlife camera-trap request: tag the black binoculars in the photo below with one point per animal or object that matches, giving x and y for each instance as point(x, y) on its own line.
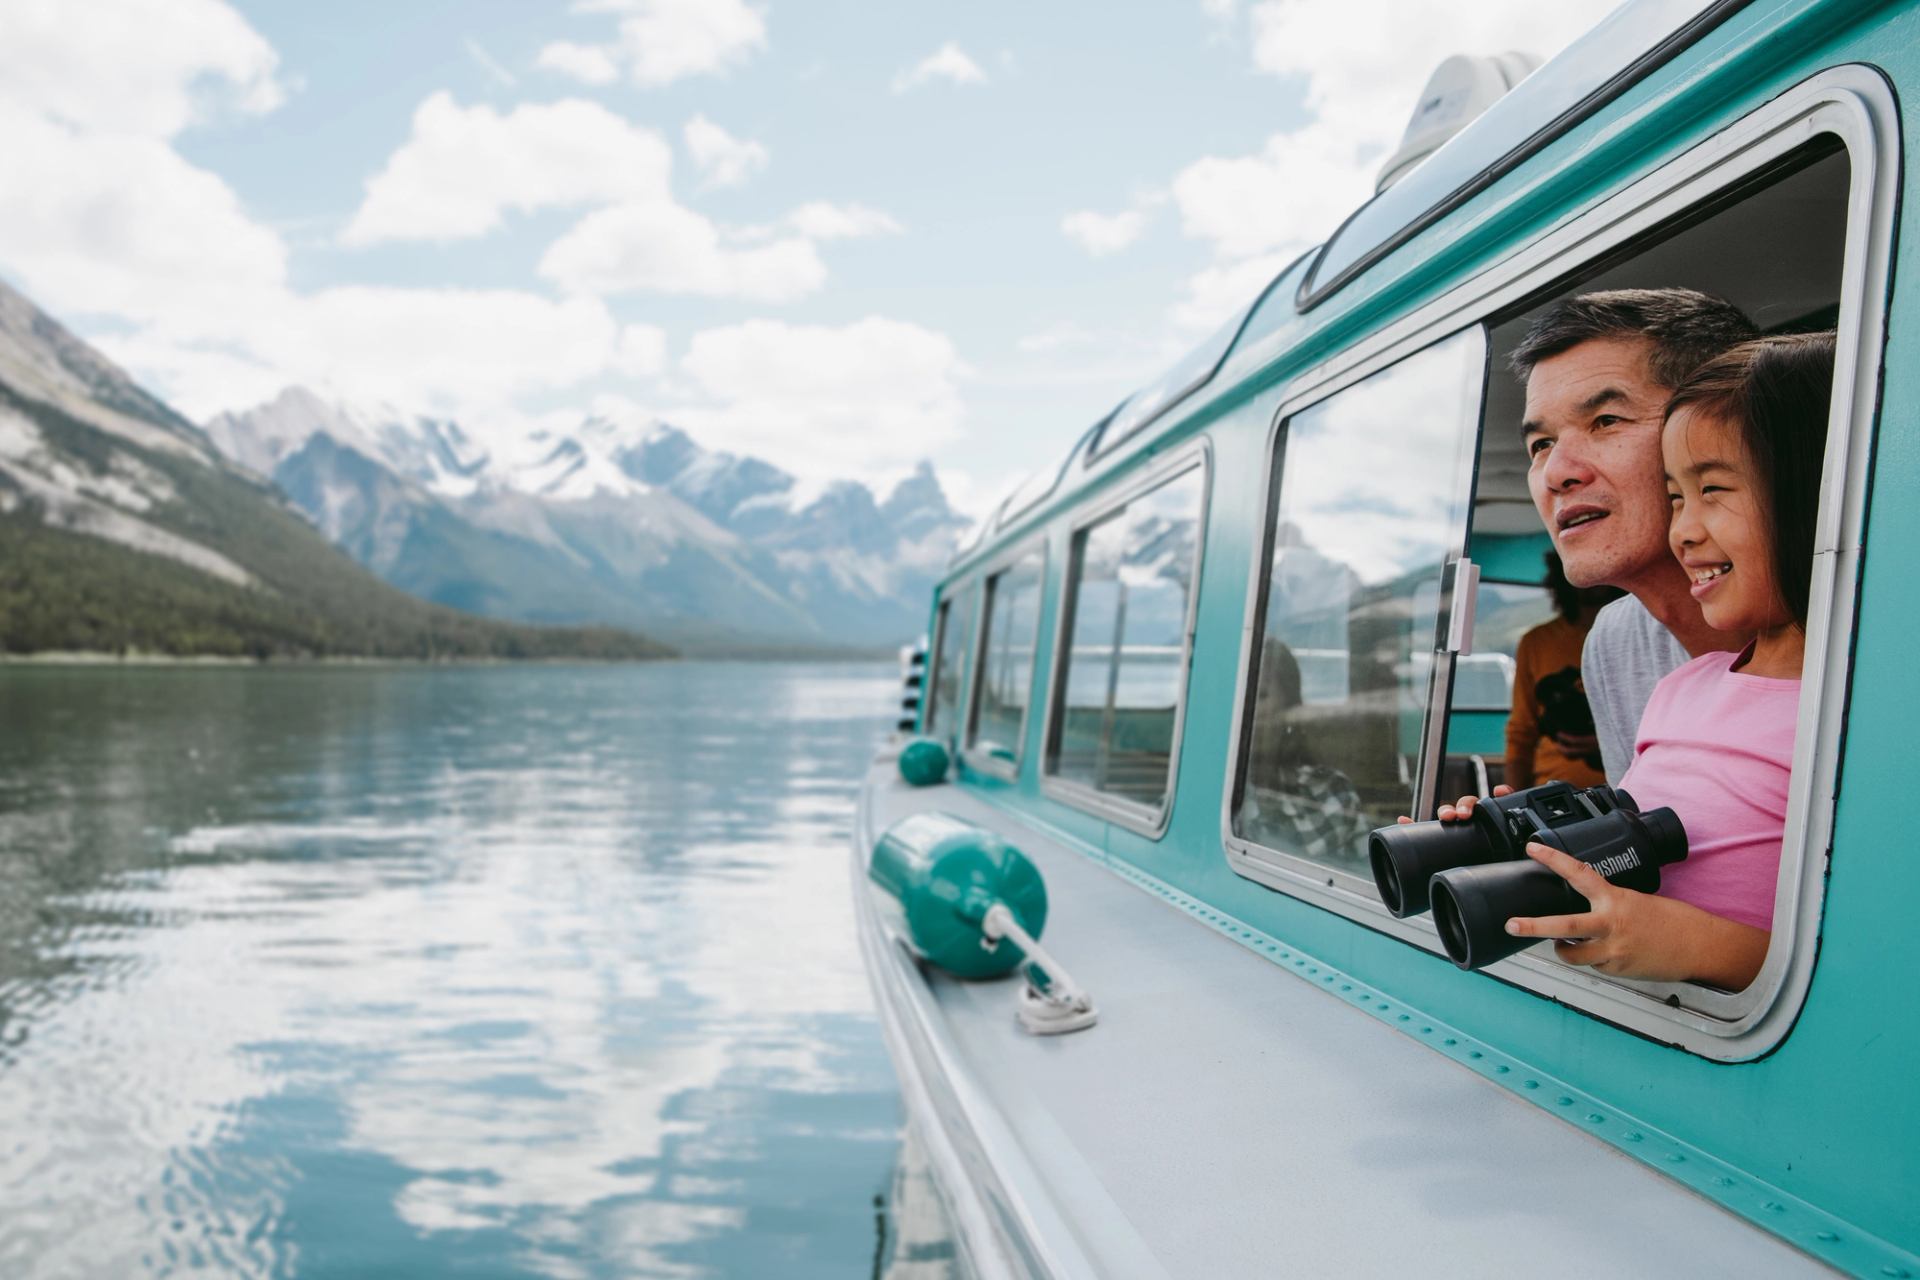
point(1476, 874)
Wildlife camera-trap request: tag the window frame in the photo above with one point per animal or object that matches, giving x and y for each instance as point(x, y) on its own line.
point(999, 566)
point(1249, 857)
point(949, 605)
point(1149, 821)
point(1854, 104)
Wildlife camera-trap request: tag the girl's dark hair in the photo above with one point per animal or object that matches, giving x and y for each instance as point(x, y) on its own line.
point(1776, 391)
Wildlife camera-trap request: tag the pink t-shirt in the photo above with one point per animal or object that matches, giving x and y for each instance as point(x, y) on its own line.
point(1716, 745)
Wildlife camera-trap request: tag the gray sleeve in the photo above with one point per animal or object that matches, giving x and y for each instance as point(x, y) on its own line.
point(1616, 740)
point(1626, 654)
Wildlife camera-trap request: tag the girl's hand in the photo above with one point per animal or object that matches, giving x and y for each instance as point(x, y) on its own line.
point(1628, 934)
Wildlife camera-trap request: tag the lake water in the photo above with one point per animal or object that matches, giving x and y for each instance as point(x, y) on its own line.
point(538, 971)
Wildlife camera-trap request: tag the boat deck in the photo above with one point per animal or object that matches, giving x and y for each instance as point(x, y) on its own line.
point(1230, 1116)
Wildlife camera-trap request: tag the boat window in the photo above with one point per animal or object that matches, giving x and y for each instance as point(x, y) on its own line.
point(1367, 506)
point(1009, 633)
point(1188, 374)
point(1275, 309)
point(1795, 223)
point(1774, 247)
point(952, 627)
point(1788, 213)
point(1123, 667)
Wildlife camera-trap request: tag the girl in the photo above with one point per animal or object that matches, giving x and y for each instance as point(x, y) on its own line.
point(1742, 445)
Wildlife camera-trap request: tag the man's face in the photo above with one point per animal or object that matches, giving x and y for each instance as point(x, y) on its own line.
point(1592, 427)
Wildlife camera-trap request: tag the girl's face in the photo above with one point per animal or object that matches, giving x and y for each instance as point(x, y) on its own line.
point(1719, 531)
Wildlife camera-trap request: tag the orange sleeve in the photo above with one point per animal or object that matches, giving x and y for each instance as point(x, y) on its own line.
point(1523, 721)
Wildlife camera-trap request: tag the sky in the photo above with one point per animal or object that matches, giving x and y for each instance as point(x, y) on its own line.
point(839, 236)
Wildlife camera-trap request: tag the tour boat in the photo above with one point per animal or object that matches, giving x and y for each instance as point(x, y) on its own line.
point(1269, 603)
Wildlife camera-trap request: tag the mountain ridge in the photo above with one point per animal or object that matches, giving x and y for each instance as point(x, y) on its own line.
point(124, 528)
point(613, 522)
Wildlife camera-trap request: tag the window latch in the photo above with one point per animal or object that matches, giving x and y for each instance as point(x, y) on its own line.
point(1464, 593)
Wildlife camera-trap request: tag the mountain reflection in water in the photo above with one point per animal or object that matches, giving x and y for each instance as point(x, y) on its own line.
point(514, 970)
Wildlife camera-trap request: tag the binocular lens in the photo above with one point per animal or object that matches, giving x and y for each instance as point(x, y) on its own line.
point(1471, 907)
point(1406, 857)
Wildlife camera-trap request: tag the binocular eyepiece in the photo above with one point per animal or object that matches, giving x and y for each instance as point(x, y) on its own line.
point(1476, 875)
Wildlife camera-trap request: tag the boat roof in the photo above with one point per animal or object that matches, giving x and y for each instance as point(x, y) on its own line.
point(1589, 73)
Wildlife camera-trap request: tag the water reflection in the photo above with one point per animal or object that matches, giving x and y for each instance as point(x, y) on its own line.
point(526, 971)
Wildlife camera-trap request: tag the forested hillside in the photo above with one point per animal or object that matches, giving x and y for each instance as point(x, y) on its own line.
point(123, 530)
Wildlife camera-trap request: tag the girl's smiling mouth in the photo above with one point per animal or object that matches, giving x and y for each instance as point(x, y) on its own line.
point(1707, 576)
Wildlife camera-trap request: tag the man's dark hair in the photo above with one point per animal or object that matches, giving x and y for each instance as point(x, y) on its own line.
point(1775, 392)
point(1687, 329)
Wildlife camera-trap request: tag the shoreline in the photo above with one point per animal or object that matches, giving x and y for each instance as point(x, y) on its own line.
point(92, 658)
point(96, 658)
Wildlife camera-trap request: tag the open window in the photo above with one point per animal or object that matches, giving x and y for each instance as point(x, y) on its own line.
point(1789, 214)
point(1774, 244)
point(1126, 618)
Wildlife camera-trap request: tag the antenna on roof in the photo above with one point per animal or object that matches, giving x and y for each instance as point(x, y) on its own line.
point(1458, 91)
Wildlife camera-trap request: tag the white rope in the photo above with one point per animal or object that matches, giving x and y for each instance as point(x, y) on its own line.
point(1051, 1003)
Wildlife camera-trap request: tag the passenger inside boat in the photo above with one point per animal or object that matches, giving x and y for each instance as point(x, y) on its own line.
point(1550, 731)
point(1741, 442)
point(1358, 603)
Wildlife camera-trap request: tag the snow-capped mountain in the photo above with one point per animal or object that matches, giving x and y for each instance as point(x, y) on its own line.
point(631, 524)
point(124, 528)
point(431, 452)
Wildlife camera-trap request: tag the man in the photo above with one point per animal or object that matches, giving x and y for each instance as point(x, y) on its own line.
point(1598, 369)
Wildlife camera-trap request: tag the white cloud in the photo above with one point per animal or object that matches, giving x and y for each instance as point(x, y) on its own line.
point(117, 223)
point(1365, 85)
point(199, 379)
point(148, 67)
point(723, 160)
point(1214, 293)
point(586, 63)
point(463, 167)
point(670, 249)
point(99, 219)
point(1289, 194)
point(1055, 337)
point(661, 41)
point(949, 62)
point(465, 352)
point(862, 400)
point(819, 220)
point(642, 352)
point(1103, 233)
point(453, 349)
point(1257, 211)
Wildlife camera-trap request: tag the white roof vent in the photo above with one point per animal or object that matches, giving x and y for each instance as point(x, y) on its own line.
point(1458, 91)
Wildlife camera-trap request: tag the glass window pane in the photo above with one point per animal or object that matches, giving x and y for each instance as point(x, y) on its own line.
point(1006, 672)
point(1504, 611)
point(949, 661)
point(1132, 580)
point(1368, 509)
